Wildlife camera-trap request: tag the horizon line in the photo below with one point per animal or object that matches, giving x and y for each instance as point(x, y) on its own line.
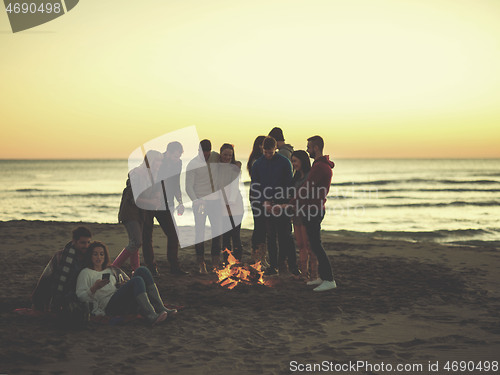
point(245, 158)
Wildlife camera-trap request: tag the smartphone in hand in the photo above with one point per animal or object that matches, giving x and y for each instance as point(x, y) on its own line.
point(105, 276)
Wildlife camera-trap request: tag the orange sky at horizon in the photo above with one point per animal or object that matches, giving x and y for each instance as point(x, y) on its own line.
point(375, 78)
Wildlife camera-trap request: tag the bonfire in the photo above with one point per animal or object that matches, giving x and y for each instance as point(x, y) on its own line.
point(235, 273)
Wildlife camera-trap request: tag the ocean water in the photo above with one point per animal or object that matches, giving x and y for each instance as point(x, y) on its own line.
point(454, 201)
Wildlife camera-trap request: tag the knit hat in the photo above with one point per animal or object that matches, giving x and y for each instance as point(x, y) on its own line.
point(277, 134)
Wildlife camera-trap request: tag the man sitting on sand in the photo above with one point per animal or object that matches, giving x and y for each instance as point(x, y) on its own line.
point(57, 284)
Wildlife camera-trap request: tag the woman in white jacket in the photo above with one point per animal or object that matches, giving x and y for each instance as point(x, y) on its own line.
point(111, 292)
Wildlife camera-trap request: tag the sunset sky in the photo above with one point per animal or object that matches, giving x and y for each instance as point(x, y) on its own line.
point(376, 78)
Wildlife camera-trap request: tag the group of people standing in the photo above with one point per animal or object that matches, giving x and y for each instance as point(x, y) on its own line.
point(153, 190)
point(285, 188)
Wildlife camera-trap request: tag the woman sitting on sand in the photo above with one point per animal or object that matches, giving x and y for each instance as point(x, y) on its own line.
point(307, 260)
point(111, 291)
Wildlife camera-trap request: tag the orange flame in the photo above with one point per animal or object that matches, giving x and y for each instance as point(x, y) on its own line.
point(235, 273)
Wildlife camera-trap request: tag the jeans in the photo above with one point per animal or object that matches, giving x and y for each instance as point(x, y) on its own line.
point(259, 225)
point(281, 226)
point(212, 209)
point(234, 235)
point(134, 231)
point(166, 222)
point(313, 228)
point(124, 299)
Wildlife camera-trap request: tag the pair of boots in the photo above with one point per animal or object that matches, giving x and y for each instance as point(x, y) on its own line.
point(151, 305)
point(260, 255)
point(124, 255)
point(202, 267)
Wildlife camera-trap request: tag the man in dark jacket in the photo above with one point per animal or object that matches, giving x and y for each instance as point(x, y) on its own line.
point(57, 284)
point(286, 150)
point(310, 204)
point(271, 180)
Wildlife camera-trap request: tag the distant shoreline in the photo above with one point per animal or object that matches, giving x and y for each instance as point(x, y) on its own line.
point(245, 158)
point(436, 237)
point(452, 201)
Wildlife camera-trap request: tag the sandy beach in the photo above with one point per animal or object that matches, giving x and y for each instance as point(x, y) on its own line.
point(396, 303)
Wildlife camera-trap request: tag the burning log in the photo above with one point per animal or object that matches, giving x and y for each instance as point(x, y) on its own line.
point(235, 273)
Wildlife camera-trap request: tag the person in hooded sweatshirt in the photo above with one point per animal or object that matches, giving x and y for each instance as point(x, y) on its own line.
point(310, 201)
point(284, 149)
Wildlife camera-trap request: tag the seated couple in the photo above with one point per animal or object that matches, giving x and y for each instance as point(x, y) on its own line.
point(82, 271)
